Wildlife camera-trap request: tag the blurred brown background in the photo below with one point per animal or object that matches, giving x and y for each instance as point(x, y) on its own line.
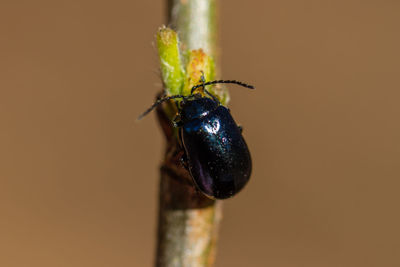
point(78, 175)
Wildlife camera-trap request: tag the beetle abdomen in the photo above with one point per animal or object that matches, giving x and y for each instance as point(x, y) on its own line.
point(218, 157)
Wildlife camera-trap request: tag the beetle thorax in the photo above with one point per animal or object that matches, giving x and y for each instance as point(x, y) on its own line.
point(197, 108)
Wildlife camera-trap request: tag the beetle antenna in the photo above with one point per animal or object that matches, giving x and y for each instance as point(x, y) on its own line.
point(202, 80)
point(159, 102)
point(222, 81)
point(212, 96)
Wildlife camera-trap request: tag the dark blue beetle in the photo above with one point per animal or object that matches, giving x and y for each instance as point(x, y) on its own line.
point(217, 155)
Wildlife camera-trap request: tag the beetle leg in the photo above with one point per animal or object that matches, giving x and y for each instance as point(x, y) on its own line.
point(198, 191)
point(240, 128)
point(177, 121)
point(184, 161)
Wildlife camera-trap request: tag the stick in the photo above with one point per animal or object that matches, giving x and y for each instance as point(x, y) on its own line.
point(188, 221)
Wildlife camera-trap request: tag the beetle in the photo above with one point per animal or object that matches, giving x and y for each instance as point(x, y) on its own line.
point(216, 153)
